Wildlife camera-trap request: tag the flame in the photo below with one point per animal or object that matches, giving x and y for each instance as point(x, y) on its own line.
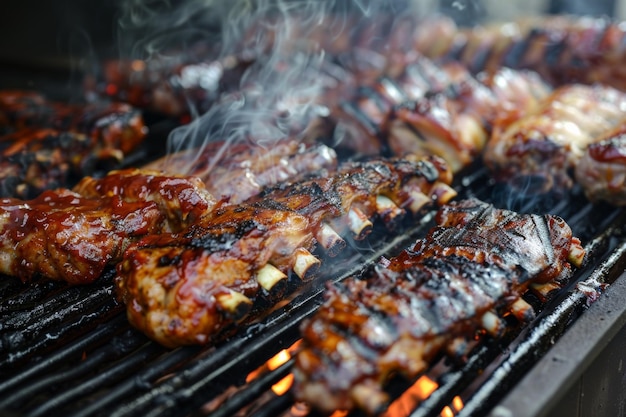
point(273, 363)
point(418, 392)
point(283, 385)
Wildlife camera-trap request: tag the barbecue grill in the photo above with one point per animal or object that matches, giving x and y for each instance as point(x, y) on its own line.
point(70, 350)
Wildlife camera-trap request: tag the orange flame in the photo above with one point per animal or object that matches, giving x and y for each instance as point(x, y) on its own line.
point(418, 392)
point(273, 363)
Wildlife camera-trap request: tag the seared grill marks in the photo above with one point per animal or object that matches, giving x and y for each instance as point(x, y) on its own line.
point(45, 145)
point(477, 261)
point(188, 287)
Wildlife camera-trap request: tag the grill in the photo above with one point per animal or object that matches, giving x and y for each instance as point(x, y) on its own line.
point(70, 350)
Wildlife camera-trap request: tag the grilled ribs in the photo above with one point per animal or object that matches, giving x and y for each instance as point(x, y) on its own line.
point(189, 287)
point(239, 171)
point(49, 145)
point(562, 49)
point(477, 260)
point(538, 152)
point(601, 170)
point(73, 235)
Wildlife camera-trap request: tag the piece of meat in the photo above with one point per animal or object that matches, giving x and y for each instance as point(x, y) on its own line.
point(110, 124)
point(50, 144)
point(181, 200)
point(73, 235)
point(435, 109)
point(238, 171)
point(477, 260)
point(601, 170)
point(191, 287)
point(538, 152)
point(34, 160)
point(363, 119)
point(562, 49)
point(456, 122)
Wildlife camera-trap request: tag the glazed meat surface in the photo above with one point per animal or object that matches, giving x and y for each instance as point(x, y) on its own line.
point(73, 235)
point(477, 260)
point(190, 287)
point(538, 152)
point(602, 169)
point(239, 171)
point(49, 145)
point(455, 123)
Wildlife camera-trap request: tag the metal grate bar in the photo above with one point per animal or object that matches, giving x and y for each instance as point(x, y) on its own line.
point(38, 339)
point(140, 382)
point(132, 362)
point(119, 346)
point(69, 352)
point(252, 391)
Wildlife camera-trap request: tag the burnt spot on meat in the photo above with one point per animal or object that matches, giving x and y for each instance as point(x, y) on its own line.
point(222, 240)
point(402, 315)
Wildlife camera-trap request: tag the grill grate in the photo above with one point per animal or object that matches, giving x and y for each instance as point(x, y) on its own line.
point(70, 350)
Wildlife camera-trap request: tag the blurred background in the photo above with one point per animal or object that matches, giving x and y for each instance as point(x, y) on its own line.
point(75, 34)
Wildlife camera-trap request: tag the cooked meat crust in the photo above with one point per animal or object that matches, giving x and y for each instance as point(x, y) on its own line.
point(188, 287)
point(74, 235)
point(478, 259)
point(47, 145)
point(539, 152)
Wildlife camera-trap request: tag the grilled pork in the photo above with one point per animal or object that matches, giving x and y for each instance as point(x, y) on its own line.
point(189, 287)
point(601, 170)
point(50, 145)
point(538, 152)
point(477, 260)
point(563, 49)
point(239, 171)
point(73, 235)
point(456, 122)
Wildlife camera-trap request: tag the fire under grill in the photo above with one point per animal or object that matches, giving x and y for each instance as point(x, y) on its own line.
point(70, 351)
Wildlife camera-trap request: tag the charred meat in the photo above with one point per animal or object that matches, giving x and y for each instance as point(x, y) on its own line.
point(238, 171)
point(538, 152)
point(563, 49)
point(50, 145)
point(189, 287)
point(456, 122)
point(602, 169)
point(476, 262)
point(73, 235)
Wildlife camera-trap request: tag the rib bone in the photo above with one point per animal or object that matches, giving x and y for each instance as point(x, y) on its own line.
point(329, 239)
point(359, 223)
point(387, 209)
point(268, 276)
point(492, 324)
point(234, 303)
point(522, 310)
point(306, 264)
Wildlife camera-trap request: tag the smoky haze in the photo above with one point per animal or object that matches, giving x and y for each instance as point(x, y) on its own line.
point(288, 43)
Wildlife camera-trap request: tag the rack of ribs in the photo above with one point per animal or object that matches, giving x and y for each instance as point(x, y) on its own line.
point(474, 264)
point(188, 287)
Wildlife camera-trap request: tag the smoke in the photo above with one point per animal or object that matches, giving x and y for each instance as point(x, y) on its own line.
point(290, 45)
